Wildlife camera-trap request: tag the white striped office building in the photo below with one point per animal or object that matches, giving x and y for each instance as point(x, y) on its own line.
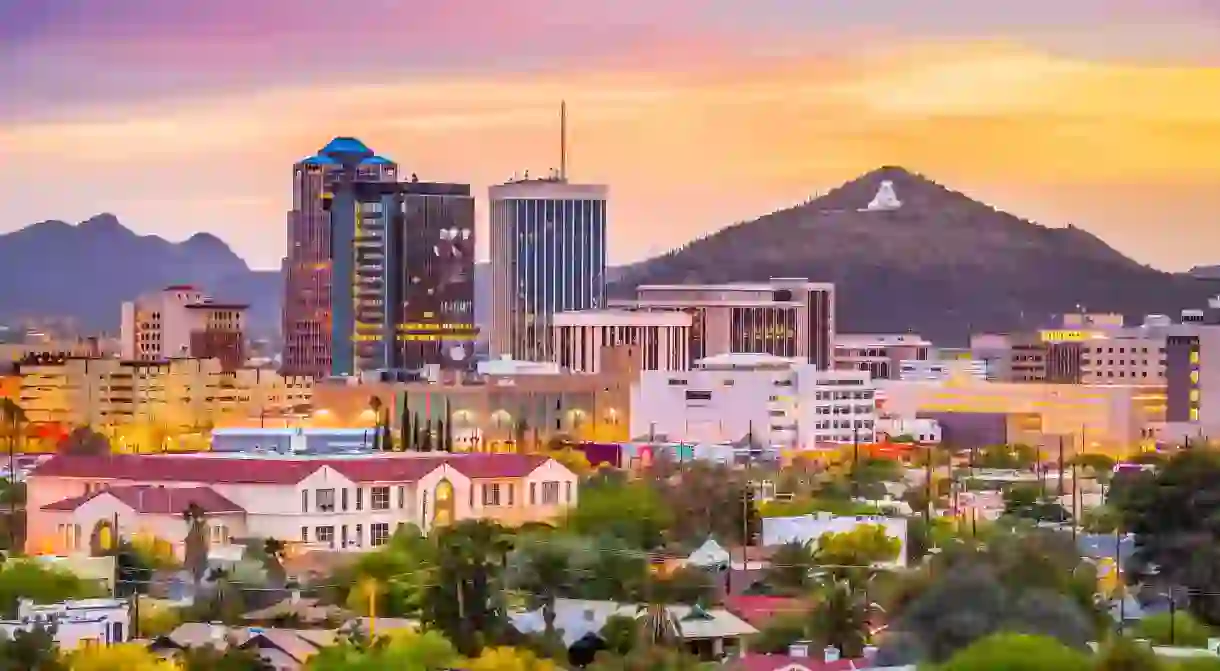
point(548, 255)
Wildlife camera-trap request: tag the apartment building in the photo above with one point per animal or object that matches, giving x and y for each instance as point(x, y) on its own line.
point(785, 317)
point(183, 321)
point(879, 354)
point(341, 503)
point(772, 401)
point(177, 394)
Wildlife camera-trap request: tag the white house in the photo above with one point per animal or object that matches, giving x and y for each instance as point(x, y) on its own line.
point(75, 623)
point(347, 503)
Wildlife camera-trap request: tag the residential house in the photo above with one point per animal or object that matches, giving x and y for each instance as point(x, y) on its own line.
point(283, 649)
point(76, 623)
point(348, 503)
point(710, 633)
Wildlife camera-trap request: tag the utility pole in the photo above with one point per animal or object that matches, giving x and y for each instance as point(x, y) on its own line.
point(1075, 501)
point(1061, 466)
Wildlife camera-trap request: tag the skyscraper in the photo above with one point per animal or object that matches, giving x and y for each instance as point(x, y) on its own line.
point(548, 255)
point(309, 268)
point(414, 277)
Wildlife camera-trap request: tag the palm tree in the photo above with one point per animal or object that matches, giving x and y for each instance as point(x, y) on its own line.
point(658, 625)
point(196, 542)
point(543, 571)
point(14, 420)
point(841, 619)
point(274, 550)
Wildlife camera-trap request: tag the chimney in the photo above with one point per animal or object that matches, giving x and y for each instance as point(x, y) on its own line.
point(830, 654)
point(799, 649)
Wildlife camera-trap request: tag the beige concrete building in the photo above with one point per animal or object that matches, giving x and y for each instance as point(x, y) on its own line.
point(879, 354)
point(182, 321)
point(663, 338)
point(1109, 417)
point(177, 395)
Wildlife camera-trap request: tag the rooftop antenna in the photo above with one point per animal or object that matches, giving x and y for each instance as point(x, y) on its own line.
point(563, 141)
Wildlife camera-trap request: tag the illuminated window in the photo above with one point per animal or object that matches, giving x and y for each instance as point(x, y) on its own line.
point(1194, 356)
point(1194, 394)
point(1194, 414)
point(1194, 377)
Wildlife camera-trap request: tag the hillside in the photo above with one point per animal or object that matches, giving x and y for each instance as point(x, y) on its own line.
point(85, 271)
point(940, 264)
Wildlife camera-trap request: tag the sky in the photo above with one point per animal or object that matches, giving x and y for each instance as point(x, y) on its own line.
point(187, 116)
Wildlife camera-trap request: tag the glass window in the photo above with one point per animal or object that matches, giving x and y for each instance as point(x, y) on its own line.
point(326, 500)
point(379, 534)
point(379, 498)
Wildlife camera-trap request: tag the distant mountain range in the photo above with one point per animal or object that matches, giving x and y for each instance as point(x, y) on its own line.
point(939, 264)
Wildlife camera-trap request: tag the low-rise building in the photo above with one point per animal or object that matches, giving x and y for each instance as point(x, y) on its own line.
point(76, 623)
point(661, 338)
point(882, 355)
point(344, 503)
point(175, 395)
point(771, 401)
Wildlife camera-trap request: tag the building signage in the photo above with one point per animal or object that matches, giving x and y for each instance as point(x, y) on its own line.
point(1060, 335)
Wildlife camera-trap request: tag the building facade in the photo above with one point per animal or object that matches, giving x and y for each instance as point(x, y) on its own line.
point(308, 265)
point(183, 321)
point(175, 396)
point(548, 255)
point(783, 317)
point(770, 401)
point(941, 369)
point(580, 338)
point(77, 623)
point(414, 275)
point(348, 504)
point(879, 354)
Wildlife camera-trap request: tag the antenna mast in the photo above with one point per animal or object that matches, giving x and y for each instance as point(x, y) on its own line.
point(563, 140)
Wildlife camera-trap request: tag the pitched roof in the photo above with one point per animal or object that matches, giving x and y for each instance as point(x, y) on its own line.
point(151, 500)
point(277, 471)
point(757, 610)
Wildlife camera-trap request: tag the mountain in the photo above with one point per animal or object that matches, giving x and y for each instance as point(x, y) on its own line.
point(85, 271)
point(939, 263)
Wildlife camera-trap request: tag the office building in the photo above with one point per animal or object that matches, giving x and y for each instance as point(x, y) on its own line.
point(548, 255)
point(309, 266)
point(780, 402)
point(941, 369)
point(662, 338)
point(782, 317)
point(182, 321)
point(413, 279)
point(1192, 375)
point(879, 354)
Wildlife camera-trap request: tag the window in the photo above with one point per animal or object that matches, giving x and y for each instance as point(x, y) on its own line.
point(304, 534)
point(325, 499)
point(359, 535)
point(550, 493)
point(304, 500)
point(402, 497)
point(491, 494)
point(344, 499)
point(512, 489)
point(218, 534)
point(325, 535)
point(698, 395)
point(360, 499)
point(343, 536)
point(379, 498)
point(533, 493)
point(567, 492)
point(379, 534)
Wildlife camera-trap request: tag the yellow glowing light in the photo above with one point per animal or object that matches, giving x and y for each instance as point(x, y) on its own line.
point(1059, 335)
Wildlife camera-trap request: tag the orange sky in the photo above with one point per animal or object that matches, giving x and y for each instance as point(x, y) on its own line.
point(1130, 151)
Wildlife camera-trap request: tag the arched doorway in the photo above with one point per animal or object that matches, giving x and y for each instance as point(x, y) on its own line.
point(104, 539)
point(442, 507)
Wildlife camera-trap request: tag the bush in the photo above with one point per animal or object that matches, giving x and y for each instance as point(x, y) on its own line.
point(1186, 630)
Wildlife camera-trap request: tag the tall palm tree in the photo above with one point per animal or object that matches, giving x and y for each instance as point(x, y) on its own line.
point(658, 625)
point(14, 421)
point(841, 618)
point(275, 549)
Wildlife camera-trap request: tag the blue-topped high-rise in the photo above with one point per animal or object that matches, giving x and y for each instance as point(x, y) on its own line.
point(348, 153)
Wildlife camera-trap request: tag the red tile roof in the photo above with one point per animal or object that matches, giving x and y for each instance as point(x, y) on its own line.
point(814, 662)
point(151, 500)
point(275, 471)
point(757, 610)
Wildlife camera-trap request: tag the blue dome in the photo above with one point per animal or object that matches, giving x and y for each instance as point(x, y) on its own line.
point(318, 160)
point(376, 160)
point(349, 146)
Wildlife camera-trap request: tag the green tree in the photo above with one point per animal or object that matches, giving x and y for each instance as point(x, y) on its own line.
point(33, 650)
point(791, 568)
point(25, 579)
point(231, 658)
point(1171, 510)
point(412, 651)
point(1006, 457)
point(1100, 520)
point(1183, 629)
point(543, 571)
point(1120, 653)
point(841, 619)
point(1018, 652)
point(647, 658)
point(84, 441)
point(273, 554)
point(850, 555)
point(464, 597)
point(632, 512)
point(780, 632)
point(620, 633)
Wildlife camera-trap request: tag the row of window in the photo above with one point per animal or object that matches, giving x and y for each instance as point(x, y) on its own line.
point(379, 534)
point(379, 499)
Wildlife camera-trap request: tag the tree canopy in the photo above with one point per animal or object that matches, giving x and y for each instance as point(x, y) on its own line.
point(1018, 652)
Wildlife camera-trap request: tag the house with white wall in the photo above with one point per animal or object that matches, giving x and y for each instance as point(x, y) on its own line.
point(352, 502)
point(76, 623)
